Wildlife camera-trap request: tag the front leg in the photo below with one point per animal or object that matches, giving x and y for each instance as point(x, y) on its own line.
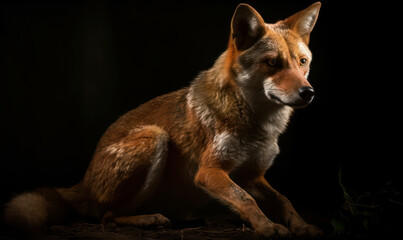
point(218, 184)
point(279, 208)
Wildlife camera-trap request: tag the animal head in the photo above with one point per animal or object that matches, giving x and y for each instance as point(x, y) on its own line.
point(270, 62)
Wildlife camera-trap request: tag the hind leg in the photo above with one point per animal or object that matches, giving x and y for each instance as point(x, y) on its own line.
point(124, 174)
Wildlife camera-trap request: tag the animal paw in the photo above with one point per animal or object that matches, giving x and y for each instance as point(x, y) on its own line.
point(159, 220)
point(306, 231)
point(273, 231)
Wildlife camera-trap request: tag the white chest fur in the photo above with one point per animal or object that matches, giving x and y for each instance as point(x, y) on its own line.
point(239, 150)
point(261, 147)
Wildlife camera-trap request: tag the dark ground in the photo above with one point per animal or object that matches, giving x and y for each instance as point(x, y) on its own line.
point(221, 231)
point(85, 230)
point(361, 225)
point(81, 230)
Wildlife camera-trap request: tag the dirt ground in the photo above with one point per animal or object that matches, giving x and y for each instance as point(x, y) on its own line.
point(83, 230)
point(92, 231)
point(96, 231)
point(198, 230)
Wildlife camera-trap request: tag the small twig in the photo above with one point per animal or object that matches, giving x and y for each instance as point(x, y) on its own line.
point(395, 202)
point(190, 229)
point(345, 193)
point(363, 205)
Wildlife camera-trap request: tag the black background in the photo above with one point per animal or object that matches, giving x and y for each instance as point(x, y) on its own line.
point(69, 69)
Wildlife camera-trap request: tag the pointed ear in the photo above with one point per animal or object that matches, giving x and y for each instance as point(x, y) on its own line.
point(303, 22)
point(247, 26)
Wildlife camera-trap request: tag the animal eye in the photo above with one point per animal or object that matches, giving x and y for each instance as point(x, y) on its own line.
point(272, 62)
point(303, 62)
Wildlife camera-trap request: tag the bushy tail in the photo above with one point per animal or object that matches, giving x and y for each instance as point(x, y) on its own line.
point(30, 212)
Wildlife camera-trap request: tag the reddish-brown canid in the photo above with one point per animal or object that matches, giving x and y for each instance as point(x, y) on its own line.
point(212, 141)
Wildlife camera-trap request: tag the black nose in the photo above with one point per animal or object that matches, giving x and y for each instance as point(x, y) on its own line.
point(306, 93)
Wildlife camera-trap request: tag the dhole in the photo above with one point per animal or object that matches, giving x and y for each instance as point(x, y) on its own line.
point(212, 141)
